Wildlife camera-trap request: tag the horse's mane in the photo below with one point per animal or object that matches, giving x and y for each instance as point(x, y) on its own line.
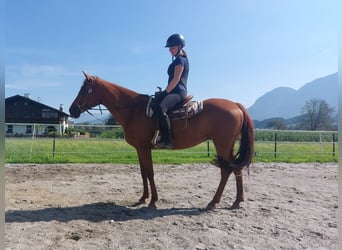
point(122, 88)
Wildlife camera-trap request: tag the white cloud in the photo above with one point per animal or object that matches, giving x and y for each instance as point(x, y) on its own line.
point(323, 52)
point(33, 70)
point(25, 52)
point(28, 76)
point(23, 85)
point(137, 51)
point(30, 70)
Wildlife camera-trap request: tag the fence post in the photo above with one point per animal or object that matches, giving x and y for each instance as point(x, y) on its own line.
point(275, 145)
point(208, 148)
point(333, 144)
point(54, 144)
point(33, 133)
point(320, 143)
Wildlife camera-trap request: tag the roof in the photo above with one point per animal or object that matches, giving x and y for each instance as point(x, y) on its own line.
point(20, 109)
point(28, 100)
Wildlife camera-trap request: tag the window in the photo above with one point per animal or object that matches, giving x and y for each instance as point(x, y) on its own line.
point(50, 130)
point(9, 129)
point(28, 129)
point(48, 113)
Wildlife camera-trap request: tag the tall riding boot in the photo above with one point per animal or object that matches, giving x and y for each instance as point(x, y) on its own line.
point(165, 126)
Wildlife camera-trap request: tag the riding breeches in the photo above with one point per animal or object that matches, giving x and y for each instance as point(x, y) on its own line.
point(169, 101)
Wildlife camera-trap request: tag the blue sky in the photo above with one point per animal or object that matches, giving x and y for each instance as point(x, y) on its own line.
point(238, 50)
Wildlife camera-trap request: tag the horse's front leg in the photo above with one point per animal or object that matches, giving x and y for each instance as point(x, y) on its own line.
point(146, 194)
point(147, 174)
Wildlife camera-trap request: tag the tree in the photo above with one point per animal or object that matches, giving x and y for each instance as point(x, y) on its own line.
point(277, 123)
point(317, 114)
point(111, 120)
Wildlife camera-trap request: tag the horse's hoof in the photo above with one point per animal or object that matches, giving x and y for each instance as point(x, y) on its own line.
point(210, 206)
point(140, 202)
point(152, 205)
point(235, 206)
point(136, 204)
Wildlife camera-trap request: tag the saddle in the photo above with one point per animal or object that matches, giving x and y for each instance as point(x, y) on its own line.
point(184, 110)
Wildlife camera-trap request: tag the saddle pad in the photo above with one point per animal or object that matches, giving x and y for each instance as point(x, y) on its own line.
point(188, 110)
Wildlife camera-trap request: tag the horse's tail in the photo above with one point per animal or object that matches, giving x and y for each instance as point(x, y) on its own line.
point(245, 153)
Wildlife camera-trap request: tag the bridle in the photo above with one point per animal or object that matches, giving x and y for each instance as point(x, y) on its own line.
point(82, 107)
point(88, 89)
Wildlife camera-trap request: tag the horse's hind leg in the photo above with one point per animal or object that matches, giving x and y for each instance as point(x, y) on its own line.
point(239, 189)
point(224, 156)
point(217, 197)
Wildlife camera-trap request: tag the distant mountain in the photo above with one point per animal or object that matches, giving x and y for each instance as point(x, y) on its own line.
point(95, 119)
point(286, 102)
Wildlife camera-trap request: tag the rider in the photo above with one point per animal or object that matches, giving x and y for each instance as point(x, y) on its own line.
point(176, 90)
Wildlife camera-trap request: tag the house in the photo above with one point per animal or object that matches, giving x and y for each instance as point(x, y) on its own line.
point(26, 117)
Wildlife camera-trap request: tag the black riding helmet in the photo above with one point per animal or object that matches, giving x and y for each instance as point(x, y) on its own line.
point(175, 40)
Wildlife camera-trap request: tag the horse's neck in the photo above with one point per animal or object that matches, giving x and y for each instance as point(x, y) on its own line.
point(119, 100)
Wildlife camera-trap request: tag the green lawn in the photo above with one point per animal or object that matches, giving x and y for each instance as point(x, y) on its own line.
point(45, 150)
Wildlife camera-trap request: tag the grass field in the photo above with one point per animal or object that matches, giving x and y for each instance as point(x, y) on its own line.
point(61, 150)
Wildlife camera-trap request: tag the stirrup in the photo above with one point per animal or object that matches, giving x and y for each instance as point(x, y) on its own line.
point(163, 145)
point(156, 137)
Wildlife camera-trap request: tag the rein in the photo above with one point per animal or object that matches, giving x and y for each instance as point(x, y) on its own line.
point(93, 114)
point(83, 108)
point(132, 105)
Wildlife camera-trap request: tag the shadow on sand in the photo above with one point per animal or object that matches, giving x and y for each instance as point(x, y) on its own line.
point(95, 212)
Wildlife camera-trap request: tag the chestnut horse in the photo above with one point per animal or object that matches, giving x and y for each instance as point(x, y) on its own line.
point(221, 120)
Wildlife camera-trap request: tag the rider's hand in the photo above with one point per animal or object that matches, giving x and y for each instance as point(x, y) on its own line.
point(161, 95)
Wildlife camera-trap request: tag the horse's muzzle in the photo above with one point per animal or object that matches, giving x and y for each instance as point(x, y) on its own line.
point(74, 111)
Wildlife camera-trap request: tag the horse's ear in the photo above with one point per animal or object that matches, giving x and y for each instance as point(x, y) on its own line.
point(86, 75)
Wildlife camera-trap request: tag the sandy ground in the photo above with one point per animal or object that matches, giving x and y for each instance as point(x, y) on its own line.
point(74, 206)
